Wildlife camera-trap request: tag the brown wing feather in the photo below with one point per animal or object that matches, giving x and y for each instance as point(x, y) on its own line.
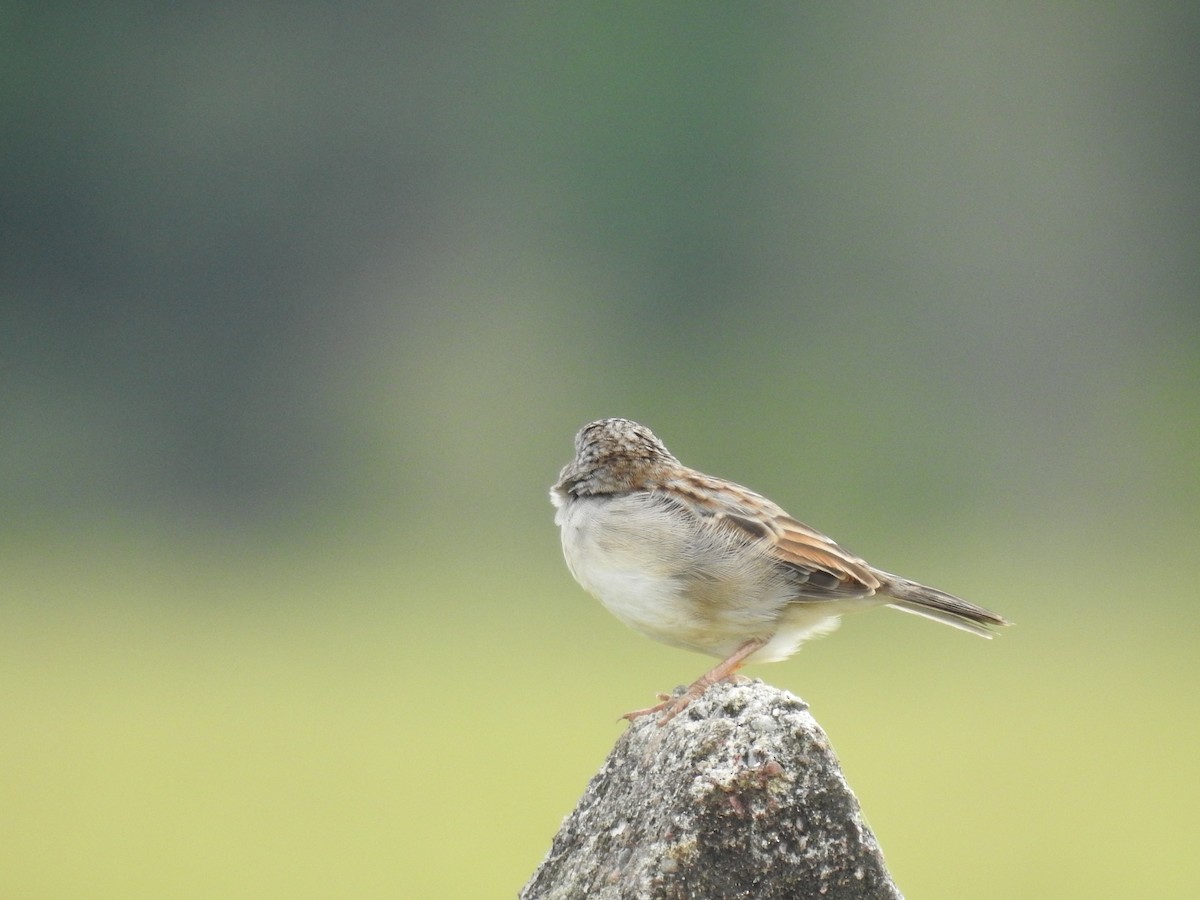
point(820, 569)
point(798, 546)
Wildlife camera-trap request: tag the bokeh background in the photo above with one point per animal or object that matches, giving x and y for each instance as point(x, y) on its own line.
point(302, 304)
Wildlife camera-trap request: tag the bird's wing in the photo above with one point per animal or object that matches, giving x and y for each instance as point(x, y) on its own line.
point(813, 562)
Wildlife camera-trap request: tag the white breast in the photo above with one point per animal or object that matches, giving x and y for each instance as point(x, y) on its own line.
point(674, 578)
point(620, 551)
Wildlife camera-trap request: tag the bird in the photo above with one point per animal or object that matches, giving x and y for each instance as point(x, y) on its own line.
point(704, 564)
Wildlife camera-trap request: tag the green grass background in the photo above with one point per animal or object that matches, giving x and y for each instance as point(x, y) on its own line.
point(301, 309)
point(200, 721)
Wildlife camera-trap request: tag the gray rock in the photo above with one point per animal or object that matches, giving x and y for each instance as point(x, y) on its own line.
point(739, 796)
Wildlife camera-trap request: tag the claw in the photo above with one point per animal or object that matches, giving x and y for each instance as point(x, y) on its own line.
point(726, 670)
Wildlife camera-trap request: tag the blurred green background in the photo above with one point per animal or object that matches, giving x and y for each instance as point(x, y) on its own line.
point(302, 305)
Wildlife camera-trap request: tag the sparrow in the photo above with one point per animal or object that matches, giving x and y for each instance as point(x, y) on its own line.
point(704, 564)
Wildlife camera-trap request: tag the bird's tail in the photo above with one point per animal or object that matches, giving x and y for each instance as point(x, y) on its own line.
point(911, 597)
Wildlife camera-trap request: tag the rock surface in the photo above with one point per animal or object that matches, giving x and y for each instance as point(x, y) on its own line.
point(739, 796)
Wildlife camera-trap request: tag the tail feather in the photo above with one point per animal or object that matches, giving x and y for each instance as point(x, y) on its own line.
point(920, 600)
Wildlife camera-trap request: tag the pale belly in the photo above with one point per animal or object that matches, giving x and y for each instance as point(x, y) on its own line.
point(681, 584)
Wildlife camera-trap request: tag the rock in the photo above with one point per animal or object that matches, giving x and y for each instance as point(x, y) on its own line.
point(738, 796)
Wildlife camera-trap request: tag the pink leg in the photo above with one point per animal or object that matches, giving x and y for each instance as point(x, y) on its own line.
point(722, 671)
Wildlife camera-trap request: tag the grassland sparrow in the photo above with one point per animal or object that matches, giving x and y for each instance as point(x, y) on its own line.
point(705, 564)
